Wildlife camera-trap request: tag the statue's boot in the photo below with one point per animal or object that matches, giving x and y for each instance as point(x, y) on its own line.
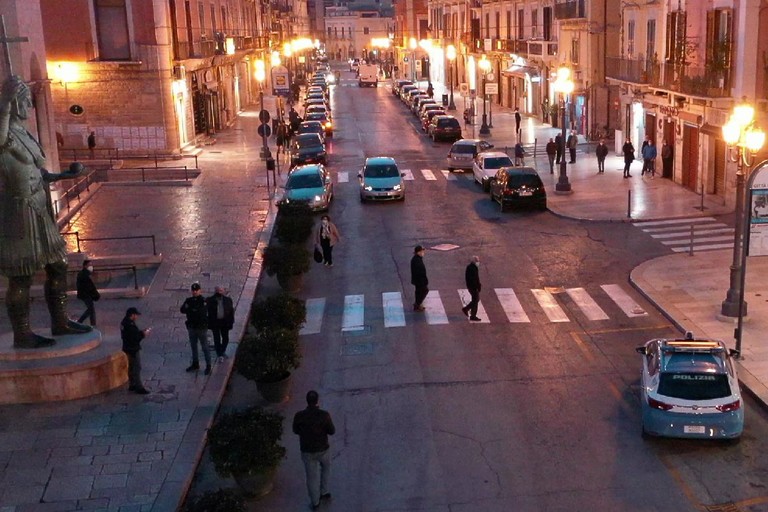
point(17, 304)
point(56, 298)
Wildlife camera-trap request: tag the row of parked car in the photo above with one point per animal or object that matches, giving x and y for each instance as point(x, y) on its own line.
point(435, 121)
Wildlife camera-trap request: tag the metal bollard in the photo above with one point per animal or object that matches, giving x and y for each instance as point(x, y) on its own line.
point(629, 204)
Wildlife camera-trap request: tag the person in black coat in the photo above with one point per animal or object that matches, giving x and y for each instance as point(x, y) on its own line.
point(132, 336)
point(560, 147)
point(472, 279)
point(518, 120)
point(313, 426)
point(87, 292)
point(629, 156)
point(221, 318)
point(551, 153)
point(601, 151)
point(197, 327)
point(419, 278)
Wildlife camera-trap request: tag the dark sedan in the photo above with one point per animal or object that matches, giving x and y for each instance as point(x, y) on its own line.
point(307, 148)
point(513, 186)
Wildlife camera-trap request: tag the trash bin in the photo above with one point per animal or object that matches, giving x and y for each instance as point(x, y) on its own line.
point(270, 164)
point(445, 100)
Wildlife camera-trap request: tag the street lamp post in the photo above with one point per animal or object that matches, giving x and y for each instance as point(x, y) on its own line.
point(261, 74)
point(564, 85)
point(451, 54)
point(744, 141)
point(485, 66)
point(413, 44)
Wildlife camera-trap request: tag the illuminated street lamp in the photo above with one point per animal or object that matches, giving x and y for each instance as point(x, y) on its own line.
point(485, 66)
point(564, 85)
point(744, 140)
point(450, 53)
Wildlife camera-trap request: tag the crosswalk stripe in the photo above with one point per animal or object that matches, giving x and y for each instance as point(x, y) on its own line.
point(511, 305)
point(710, 247)
point(586, 303)
point(696, 233)
point(435, 311)
point(550, 306)
point(408, 174)
point(342, 177)
point(466, 298)
point(428, 175)
point(686, 227)
point(394, 314)
point(698, 240)
point(623, 300)
point(314, 321)
point(686, 220)
point(354, 311)
point(448, 175)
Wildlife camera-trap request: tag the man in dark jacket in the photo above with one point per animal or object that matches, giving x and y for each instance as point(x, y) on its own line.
point(221, 317)
point(419, 278)
point(560, 147)
point(197, 327)
point(313, 426)
point(472, 279)
point(132, 336)
point(551, 152)
point(573, 141)
point(87, 292)
point(518, 120)
point(601, 151)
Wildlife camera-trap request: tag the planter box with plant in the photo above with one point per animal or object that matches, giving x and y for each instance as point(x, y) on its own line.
point(278, 311)
point(294, 223)
point(268, 355)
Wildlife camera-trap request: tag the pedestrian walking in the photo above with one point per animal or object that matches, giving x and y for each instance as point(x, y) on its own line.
point(649, 159)
point(221, 318)
point(197, 327)
point(419, 278)
point(326, 236)
point(551, 152)
point(573, 140)
point(430, 90)
point(629, 156)
point(667, 154)
point(560, 145)
point(642, 150)
point(601, 151)
point(519, 154)
point(472, 279)
point(518, 120)
point(87, 292)
point(313, 426)
point(132, 336)
point(92, 144)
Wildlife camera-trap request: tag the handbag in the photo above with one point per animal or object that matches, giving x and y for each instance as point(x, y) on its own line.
point(318, 255)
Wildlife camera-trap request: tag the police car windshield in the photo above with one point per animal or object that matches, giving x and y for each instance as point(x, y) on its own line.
point(694, 386)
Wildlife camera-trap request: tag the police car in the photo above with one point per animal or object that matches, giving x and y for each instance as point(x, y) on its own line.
point(689, 388)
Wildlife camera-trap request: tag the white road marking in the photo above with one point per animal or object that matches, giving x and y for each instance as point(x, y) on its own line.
point(428, 175)
point(314, 321)
point(465, 298)
point(710, 247)
point(623, 300)
point(435, 311)
point(448, 175)
point(394, 315)
point(550, 306)
point(669, 222)
point(686, 234)
point(343, 177)
point(697, 240)
point(408, 174)
point(511, 305)
point(587, 304)
point(354, 313)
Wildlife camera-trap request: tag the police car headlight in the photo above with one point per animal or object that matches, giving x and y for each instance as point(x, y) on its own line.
point(397, 187)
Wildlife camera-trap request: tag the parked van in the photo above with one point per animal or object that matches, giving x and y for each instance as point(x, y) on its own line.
point(368, 75)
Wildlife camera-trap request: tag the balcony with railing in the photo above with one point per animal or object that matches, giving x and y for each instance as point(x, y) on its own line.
point(209, 47)
point(634, 71)
point(542, 48)
point(687, 79)
point(570, 9)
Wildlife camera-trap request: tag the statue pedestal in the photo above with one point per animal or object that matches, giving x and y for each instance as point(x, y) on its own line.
point(77, 366)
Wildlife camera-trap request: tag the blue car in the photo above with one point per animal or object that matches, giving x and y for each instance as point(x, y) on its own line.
point(689, 388)
point(311, 184)
point(381, 179)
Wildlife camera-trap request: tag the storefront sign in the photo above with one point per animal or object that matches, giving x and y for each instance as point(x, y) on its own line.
point(669, 111)
point(758, 213)
point(281, 80)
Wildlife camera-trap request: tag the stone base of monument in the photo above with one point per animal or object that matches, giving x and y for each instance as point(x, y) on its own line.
point(77, 366)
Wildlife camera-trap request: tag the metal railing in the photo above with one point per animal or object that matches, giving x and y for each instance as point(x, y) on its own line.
point(76, 234)
point(570, 10)
point(144, 170)
point(161, 158)
point(687, 79)
point(89, 154)
point(73, 193)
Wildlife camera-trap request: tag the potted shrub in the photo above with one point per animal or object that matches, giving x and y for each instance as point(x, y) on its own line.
point(294, 222)
point(288, 263)
point(278, 310)
point(267, 357)
point(223, 500)
point(246, 445)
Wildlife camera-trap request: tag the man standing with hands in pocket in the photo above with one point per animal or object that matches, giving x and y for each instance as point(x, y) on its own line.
point(472, 278)
point(132, 336)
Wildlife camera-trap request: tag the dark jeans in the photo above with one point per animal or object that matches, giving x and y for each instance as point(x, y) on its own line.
point(420, 295)
point(134, 370)
point(90, 312)
point(601, 164)
point(325, 244)
point(559, 157)
point(573, 155)
point(551, 163)
point(666, 167)
point(627, 163)
point(475, 296)
point(220, 340)
point(199, 336)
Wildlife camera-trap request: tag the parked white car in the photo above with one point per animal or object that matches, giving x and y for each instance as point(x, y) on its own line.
point(485, 166)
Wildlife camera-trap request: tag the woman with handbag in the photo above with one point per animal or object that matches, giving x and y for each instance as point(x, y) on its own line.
point(326, 237)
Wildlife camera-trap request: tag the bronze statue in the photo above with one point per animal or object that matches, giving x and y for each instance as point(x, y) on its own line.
point(29, 237)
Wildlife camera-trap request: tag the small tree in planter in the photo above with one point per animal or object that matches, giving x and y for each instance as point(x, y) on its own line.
point(294, 222)
point(288, 263)
point(223, 500)
point(246, 445)
point(278, 310)
point(267, 357)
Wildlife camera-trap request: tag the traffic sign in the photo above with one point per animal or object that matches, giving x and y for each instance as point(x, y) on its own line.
point(264, 130)
point(264, 116)
point(491, 89)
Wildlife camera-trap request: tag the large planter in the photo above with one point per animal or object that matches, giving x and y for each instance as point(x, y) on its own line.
point(256, 485)
point(275, 391)
point(291, 283)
